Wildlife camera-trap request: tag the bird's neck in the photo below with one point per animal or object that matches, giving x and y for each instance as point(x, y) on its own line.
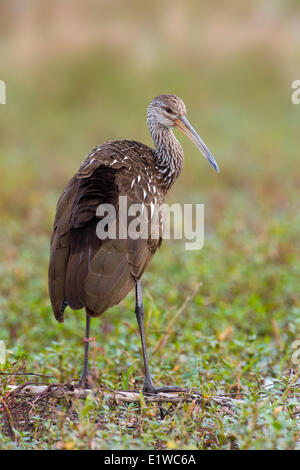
point(168, 157)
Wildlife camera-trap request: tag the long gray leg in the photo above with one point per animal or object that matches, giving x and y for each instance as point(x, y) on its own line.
point(139, 311)
point(85, 371)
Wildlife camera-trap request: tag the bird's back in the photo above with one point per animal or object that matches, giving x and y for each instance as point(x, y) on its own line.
point(85, 271)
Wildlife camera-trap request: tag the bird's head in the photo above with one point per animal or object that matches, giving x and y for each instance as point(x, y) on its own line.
point(168, 111)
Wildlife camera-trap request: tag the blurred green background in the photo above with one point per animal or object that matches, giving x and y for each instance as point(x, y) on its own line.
point(82, 72)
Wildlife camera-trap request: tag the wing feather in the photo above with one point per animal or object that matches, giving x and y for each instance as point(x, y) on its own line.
point(85, 271)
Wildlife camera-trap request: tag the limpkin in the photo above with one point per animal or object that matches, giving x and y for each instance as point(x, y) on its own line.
point(85, 271)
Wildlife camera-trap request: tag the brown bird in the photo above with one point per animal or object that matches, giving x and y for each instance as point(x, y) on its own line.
point(94, 273)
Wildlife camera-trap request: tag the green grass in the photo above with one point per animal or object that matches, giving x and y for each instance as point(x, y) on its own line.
point(236, 335)
point(224, 342)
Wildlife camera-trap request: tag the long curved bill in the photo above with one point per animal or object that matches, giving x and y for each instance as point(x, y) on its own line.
point(185, 127)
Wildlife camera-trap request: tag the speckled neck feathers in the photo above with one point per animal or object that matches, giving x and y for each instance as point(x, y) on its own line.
point(168, 156)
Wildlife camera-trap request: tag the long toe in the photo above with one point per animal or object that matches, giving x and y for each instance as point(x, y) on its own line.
point(84, 383)
point(167, 388)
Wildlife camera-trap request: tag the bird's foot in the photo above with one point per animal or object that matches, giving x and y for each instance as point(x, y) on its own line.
point(149, 388)
point(85, 382)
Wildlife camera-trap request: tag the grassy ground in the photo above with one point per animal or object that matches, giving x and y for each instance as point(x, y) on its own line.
point(236, 335)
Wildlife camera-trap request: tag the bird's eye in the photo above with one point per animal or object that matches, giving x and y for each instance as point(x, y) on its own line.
point(169, 110)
